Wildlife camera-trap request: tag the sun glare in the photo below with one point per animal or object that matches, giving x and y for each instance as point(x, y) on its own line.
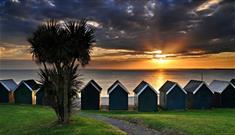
point(161, 61)
point(158, 57)
point(157, 52)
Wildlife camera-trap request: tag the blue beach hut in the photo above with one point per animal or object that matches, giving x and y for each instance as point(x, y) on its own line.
point(7, 88)
point(172, 96)
point(146, 97)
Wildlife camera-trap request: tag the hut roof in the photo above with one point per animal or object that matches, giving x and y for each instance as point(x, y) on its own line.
point(233, 81)
point(219, 86)
point(141, 87)
point(194, 85)
point(9, 84)
point(114, 85)
point(168, 86)
point(31, 84)
point(93, 83)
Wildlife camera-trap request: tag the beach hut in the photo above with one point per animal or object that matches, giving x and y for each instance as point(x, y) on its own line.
point(172, 96)
point(118, 96)
point(40, 97)
point(199, 95)
point(90, 96)
point(224, 93)
point(233, 81)
point(146, 97)
point(25, 92)
point(6, 90)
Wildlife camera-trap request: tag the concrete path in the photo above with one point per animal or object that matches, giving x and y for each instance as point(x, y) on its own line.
point(129, 128)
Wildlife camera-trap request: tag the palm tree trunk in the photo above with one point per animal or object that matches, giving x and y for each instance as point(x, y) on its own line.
point(65, 105)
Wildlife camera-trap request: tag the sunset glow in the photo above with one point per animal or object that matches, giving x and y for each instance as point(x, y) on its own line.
point(208, 4)
point(130, 35)
point(159, 57)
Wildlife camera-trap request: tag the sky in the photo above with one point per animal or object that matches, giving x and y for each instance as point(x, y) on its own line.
point(130, 34)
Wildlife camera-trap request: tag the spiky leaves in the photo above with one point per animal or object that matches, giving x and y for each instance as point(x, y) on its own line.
point(61, 48)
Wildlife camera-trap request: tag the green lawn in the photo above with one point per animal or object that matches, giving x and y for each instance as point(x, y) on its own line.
point(23, 119)
point(195, 122)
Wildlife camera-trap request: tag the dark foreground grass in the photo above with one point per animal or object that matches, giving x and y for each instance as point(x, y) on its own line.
point(194, 122)
point(23, 120)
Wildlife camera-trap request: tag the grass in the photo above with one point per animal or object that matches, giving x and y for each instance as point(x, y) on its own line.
point(194, 122)
point(37, 120)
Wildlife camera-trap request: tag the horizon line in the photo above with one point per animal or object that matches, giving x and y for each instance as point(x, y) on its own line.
point(135, 69)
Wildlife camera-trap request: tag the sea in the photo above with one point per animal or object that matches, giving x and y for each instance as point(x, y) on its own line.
point(131, 78)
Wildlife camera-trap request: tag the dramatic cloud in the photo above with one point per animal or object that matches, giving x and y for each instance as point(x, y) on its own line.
point(177, 27)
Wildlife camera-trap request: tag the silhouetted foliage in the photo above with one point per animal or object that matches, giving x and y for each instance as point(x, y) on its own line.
point(61, 48)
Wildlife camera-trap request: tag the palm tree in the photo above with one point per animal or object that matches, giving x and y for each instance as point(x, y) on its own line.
point(61, 49)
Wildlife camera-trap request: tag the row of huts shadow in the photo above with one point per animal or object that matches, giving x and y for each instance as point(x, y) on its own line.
point(195, 95)
point(26, 92)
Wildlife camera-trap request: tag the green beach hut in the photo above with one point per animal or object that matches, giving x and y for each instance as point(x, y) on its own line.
point(25, 92)
point(146, 97)
point(90, 96)
point(199, 96)
point(118, 96)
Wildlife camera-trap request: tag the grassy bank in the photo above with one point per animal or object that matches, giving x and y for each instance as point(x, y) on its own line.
point(195, 122)
point(21, 120)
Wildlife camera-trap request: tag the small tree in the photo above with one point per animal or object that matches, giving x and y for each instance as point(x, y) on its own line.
point(61, 49)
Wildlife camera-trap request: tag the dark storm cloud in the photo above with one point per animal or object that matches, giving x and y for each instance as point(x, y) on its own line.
point(138, 25)
point(216, 33)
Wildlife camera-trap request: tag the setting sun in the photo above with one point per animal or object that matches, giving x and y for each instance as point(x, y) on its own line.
point(160, 60)
point(159, 57)
point(157, 52)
